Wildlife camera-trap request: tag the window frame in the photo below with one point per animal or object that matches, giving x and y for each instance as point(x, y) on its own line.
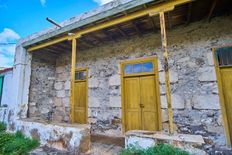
point(139, 61)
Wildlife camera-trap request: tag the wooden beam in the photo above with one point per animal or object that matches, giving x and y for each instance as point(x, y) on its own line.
point(152, 11)
point(153, 23)
point(166, 69)
point(121, 31)
point(135, 26)
point(107, 34)
point(48, 43)
point(169, 20)
point(73, 69)
point(214, 3)
point(189, 14)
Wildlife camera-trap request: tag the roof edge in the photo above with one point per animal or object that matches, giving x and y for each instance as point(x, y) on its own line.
point(30, 40)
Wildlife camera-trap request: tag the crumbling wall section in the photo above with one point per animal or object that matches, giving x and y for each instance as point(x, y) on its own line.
point(41, 96)
point(61, 110)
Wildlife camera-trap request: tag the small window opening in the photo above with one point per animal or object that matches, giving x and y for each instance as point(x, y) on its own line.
point(224, 56)
point(145, 67)
point(80, 75)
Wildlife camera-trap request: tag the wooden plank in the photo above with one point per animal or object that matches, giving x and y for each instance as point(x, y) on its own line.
point(189, 14)
point(166, 69)
point(213, 6)
point(73, 69)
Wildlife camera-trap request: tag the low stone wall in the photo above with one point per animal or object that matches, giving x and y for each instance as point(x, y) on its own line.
point(72, 138)
point(144, 140)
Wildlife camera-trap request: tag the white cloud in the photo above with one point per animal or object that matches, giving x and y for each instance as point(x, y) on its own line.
point(101, 2)
point(43, 2)
point(7, 51)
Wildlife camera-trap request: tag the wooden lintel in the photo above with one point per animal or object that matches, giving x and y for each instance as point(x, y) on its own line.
point(213, 6)
point(166, 69)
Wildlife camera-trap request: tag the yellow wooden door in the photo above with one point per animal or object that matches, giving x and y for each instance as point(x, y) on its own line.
point(132, 101)
point(148, 104)
point(226, 75)
point(80, 102)
point(80, 97)
point(140, 103)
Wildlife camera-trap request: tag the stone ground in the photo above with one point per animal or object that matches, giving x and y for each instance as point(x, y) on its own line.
point(101, 145)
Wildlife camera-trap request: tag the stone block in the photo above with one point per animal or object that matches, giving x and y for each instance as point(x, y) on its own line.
point(206, 102)
point(60, 69)
point(93, 83)
point(57, 102)
point(115, 101)
point(60, 93)
point(45, 110)
point(67, 85)
point(58, 86)
point(66, 101)
point(162, 89)
point(115, 80)
point(207, 74)
point(210, 59)
point(172, 74)
point(164, 115)
point(160, 66)
point(177, 102)
point(94, 102)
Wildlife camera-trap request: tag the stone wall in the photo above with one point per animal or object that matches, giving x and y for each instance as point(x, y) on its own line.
point(193, 82)
point(50, 88)
point(41, 97)
point(61, 110)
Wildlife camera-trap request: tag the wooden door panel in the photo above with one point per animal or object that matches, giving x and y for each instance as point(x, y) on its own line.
point(226, 75)
point(132, 100)
point(149, 104)
point(80, 102)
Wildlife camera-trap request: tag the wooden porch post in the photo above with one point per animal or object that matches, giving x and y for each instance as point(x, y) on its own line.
point(166, 69)
point(73, 67)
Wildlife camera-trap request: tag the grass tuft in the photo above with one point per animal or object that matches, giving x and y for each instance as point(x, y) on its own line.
point(16, 144)
point(160, 149)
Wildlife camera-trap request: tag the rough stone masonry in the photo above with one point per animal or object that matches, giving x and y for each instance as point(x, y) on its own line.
point(194, 89)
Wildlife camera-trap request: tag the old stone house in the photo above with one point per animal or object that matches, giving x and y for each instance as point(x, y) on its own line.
point(106, 68)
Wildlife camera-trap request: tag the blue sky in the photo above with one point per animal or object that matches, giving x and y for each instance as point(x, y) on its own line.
point(20, 18)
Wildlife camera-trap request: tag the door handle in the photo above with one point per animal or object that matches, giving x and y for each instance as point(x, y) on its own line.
point(141, 105)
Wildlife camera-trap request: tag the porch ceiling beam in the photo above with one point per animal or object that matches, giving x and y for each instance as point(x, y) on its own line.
point(189, 14)
point(213, 6)
point(169, 20)
point(152, 11)
point(105, 32)
point(121, 31)
point(135, 26)
point(153, 23)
